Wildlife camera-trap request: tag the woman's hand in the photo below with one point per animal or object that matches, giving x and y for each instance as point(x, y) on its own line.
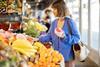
point(59, 32)
point(35, 39)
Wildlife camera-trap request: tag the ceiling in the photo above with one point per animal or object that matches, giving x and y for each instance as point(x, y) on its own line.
point(41, 5)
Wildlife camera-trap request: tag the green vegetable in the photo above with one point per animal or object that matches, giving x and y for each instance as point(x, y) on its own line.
point(4, 63)
point(31, 30)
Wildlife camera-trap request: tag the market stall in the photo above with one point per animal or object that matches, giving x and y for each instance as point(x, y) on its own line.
point(10, 14)
point(21, 48)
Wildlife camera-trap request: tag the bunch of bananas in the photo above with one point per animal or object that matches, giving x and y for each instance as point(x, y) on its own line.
point(40, 27)
point(24, 47)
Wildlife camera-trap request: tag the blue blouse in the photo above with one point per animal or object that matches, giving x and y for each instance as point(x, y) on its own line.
point(63, 45)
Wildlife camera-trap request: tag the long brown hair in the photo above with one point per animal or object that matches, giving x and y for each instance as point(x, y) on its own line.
point(61, 7)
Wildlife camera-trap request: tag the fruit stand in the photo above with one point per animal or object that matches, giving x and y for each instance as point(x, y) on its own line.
point(20, 50)
point(33, 28)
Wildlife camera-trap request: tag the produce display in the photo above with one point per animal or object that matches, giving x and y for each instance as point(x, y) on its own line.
point(33, 29)
point(23, 49)
point(20, 50)
point(47, 57)
point(14, 6)
point(3, 5)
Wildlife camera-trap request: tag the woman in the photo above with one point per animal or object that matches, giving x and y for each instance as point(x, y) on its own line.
point(59, 33)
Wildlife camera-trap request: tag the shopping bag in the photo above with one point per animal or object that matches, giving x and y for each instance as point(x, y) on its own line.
point(80, 50)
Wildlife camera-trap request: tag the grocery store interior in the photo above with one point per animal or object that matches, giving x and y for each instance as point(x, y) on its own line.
point(17, 19)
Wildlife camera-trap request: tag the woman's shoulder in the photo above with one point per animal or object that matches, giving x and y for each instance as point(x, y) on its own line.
point(68, 18)
point(54, 21)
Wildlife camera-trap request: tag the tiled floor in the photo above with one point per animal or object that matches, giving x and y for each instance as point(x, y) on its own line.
point(87, 63)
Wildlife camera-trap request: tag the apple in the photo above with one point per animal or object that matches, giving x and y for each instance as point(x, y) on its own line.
point(58, 30)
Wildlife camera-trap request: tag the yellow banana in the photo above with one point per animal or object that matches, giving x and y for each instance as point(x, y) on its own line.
point(21, 43)
point(38, 44)
point(27, 52)
point(35, 47)
point(40, 27)
point(24, 47)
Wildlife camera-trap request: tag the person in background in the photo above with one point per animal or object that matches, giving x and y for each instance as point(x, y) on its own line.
point(47, 19)
point(59, 33)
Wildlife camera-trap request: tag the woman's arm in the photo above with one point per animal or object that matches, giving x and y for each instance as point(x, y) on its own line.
point(75, 36)
point(47, 37)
